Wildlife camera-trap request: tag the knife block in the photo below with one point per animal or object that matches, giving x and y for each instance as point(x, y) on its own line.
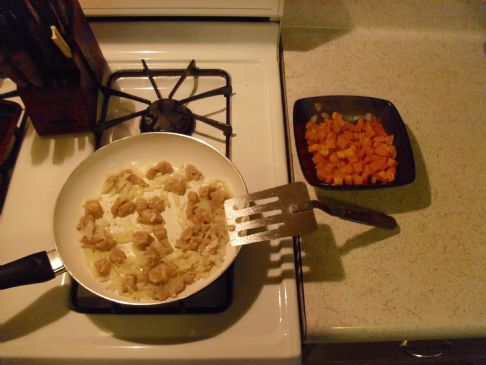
point(68, 102)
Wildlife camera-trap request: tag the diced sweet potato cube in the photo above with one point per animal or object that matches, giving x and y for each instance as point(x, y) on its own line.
point(314, 147)
point(342, 142)
point(382, 149)
point(389, 139)
point(390, 174)
point(334, 158)
point(369, 130)
point(378, 128)
point(353, 159)
point(338, 180)
point(348, 169)
point(358, 180)
point(348, 180)
point(358, 166)
point(391, 162)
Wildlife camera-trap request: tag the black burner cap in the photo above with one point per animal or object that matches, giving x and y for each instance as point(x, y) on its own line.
point(168, 115)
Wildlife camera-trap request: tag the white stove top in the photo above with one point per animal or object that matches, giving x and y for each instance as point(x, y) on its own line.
point(262, 322)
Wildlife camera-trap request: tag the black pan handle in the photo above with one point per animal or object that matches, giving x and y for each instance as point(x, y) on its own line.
point(31, 269)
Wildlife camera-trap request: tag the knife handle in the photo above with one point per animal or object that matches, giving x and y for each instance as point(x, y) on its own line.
point(356, 214)
point(11, 72)
point(26, 66)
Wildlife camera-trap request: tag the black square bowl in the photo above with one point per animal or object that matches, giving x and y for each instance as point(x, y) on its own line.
point(351, 107)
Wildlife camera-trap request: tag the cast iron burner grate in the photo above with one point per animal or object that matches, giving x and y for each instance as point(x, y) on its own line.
point(167, 114)
point(215, 298)
point(164, 114)
point(8, 163)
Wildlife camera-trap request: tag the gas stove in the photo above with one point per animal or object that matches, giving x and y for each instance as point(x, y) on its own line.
point(231, 97)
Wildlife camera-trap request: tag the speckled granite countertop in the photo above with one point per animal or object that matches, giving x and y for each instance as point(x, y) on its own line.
point(428, 58)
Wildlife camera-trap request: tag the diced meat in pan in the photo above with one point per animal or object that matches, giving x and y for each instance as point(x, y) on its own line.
point(161, 168)
point(160, 292)
point(141, 239)
point(141, 204)
point(122, 207)
point(175, 286)
point(129, 283)
point(156, 203)
point(103, 266)
point(84, 222)
point(102, 244)
point(175, 185)
point(160, 232)
point(159, 274)
point(93, 208)
point(150, 216)
point(192, 173)
point(117, 256)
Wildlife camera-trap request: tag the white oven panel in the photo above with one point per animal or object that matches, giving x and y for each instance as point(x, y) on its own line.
point(234, 8)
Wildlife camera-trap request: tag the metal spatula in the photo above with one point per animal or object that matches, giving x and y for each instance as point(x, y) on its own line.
point(287, 211)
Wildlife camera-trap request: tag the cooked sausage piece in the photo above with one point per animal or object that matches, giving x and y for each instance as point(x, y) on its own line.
point(150, 216)
point(192, 173)
point(85, 221)
point(160, 292)
point(175, 286)
point(122, 207)
point(175, 185)
point(141, 204)
point(160, 232)
point(159, 274)
point(117, 256)
point(157, 204)
point(103, 266)
point(161, 168)
point(134, 179)
point(141, 239)
point(129, 283)
point(102, 244)
point(93, 208)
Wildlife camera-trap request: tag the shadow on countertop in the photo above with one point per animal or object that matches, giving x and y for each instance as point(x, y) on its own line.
point(322, 257)
point(304, 28)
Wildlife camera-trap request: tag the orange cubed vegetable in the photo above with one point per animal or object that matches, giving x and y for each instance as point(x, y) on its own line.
point(347, 170)
point(338, 180)
point(334, 158)
point(314, 147)
point(351, 154)
point(358, 180)
point(390, 174)
point(392, 162)
point(389, 139)
point(358, 166)
point(342, 142)
point(378, 128)
point(369, 130)
point(382, 149)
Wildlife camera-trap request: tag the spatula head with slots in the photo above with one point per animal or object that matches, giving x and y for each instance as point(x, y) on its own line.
point(268, 215)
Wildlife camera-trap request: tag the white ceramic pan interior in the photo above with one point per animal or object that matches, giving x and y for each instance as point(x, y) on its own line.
point(141, 150)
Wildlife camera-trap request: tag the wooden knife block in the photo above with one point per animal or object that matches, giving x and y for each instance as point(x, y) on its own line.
point(68, 104)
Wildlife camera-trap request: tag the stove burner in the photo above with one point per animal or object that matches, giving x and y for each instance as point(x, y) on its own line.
point(168, 115)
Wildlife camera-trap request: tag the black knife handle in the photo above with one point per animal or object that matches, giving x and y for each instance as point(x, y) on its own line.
point(356, 214)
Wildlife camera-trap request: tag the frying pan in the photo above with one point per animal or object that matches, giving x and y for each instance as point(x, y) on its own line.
point(85, 182)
